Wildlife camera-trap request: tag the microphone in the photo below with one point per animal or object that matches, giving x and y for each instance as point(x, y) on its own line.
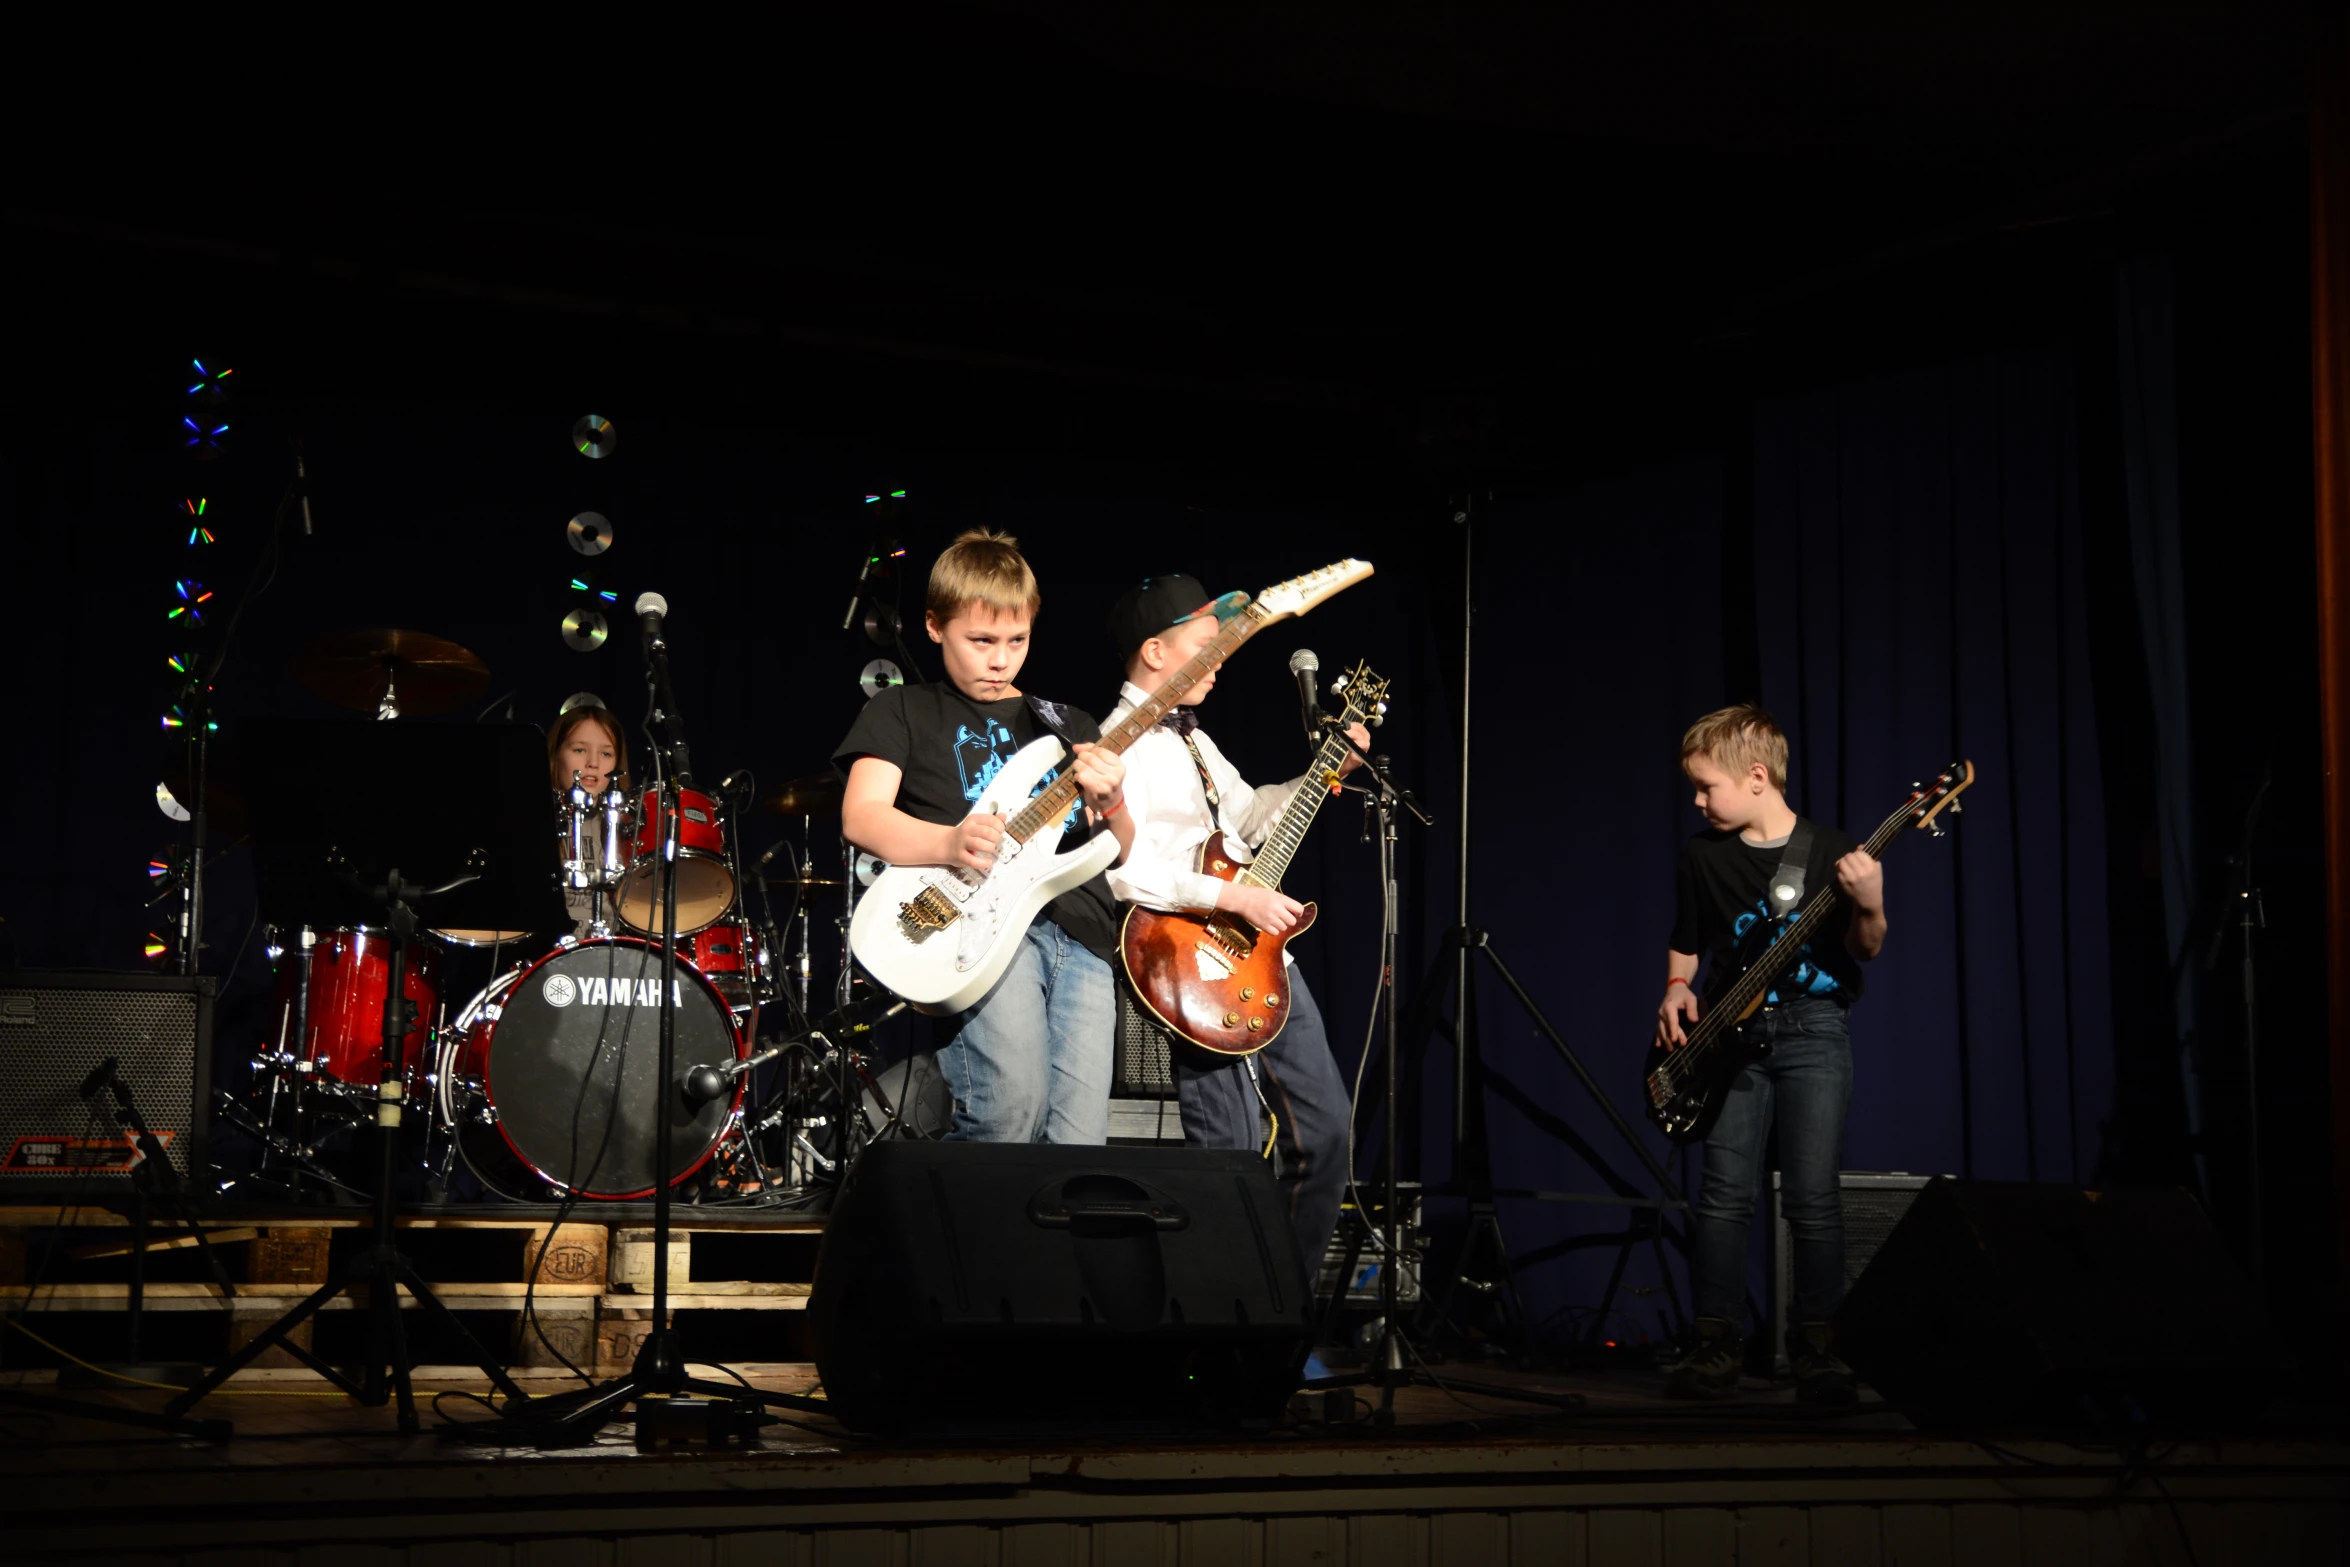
point(302, 487)
point(1305, 664)
point(652, 609)
point(705, 1083)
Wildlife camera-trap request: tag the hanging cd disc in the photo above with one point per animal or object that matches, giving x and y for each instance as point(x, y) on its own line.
point(594, 436)
point(868, 868)
point(579, 699)
point(584, 631)
point(879, 676)
point(590, 533)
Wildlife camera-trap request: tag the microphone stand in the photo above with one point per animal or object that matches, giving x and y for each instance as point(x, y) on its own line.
point(656, 1383)
point(1390, 801)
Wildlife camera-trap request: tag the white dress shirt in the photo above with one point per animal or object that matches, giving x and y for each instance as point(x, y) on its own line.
point(1171, 815)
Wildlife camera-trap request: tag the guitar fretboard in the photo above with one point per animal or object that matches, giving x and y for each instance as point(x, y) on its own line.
point(1053, 804)
point(1289, 831)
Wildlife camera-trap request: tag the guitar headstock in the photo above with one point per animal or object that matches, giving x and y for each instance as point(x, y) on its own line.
point(1365, 695)
point(1300, 594)
point(1932, 799)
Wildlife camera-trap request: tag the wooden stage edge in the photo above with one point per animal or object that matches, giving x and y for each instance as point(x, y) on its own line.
point(310, 1482)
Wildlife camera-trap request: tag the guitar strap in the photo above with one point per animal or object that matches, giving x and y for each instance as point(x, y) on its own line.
point(1786, 884)
point(1207, 784)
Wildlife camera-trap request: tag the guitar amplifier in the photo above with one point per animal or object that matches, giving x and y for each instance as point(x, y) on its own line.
point(55, 1026)
point(1874, 1202)
point(1142, 1080)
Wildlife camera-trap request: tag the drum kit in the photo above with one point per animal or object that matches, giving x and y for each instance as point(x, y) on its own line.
point(531, 1083)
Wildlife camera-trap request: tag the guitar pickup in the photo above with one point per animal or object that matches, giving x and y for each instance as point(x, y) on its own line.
point(928, 909)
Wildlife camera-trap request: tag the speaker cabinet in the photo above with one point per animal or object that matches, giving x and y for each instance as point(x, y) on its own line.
point(988, 1287)
point(1874, 1201)
point(55, 1026)
point(2038, 1306)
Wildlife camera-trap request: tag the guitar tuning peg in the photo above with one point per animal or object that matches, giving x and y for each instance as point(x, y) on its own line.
point(1957, 806)
point(1937, 829)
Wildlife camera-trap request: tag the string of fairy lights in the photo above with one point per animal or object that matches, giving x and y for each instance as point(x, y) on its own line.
point(187, 607)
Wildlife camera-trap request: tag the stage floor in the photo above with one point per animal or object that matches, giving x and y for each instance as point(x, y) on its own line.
point(1633, 1477)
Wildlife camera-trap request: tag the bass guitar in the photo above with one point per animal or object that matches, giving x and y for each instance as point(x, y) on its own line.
point(1687, 1083)
point(940, 936)
point(1214, 978)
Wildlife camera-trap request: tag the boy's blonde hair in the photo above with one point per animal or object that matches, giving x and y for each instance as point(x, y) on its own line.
point(985, 567)
point(1736, 738)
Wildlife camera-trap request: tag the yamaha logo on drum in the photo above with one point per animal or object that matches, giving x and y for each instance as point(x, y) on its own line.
point(560, 990)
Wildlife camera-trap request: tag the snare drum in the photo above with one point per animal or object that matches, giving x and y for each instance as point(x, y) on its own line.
point(705, 884)
point(546, 1078)
point(349, 972)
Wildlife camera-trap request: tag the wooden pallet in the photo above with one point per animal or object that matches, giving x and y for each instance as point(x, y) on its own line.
point(591, 1295)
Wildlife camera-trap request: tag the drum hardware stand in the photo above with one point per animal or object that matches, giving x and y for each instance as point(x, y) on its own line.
point(573, 1419)
point(240, 1115)
point(381, 1266)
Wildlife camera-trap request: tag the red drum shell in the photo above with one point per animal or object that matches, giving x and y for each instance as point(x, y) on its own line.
point(705, 886)
point(349, 972)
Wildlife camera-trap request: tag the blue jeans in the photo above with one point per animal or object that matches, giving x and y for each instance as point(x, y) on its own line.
point(1031, 1062)
point(1301, 1083)
point(1806, 1083)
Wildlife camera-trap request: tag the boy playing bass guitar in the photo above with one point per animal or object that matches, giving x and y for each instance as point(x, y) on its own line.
point(1756, 849)
point(1180, 791)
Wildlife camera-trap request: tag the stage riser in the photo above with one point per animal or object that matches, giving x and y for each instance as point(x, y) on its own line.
point(1823, 1518)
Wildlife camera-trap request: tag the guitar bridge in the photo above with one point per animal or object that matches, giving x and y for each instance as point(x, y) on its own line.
point(928, 909)
point(1237, 940)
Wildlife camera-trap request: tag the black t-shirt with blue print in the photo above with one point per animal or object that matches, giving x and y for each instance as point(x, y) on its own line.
point(949, 746)
point(1725, 887)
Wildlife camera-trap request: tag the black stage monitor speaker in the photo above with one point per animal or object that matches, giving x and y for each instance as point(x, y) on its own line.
point(2010, 1305)
point(967, 1288)
point(55, 1027)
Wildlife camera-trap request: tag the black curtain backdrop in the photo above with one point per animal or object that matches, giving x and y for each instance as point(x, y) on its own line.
point(1915, 589)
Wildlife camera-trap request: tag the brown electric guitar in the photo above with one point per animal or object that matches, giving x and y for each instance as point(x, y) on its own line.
point(1214, 978)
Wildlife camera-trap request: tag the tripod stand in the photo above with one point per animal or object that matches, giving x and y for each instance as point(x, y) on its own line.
point(380, 1267)
point(657, 1383)
point(1389, 1372)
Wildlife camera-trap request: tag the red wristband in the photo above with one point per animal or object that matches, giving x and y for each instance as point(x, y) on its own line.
point(1674, 979)
point(1111, 810)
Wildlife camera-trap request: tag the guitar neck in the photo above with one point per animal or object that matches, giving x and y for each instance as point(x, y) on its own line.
point(1289, 830)
point(1758, 979)
point(1053, 804)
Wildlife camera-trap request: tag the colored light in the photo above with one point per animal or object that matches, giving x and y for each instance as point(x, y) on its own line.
point(578, 586)
point(201, 532)
point(179, 665)
point(201, 439)
point(870, 499)
point(196, 506)
point(157, 948)
point(172, 720)
point(897, 495)
point(158, 869)
point(208, 380)
point(609, 598)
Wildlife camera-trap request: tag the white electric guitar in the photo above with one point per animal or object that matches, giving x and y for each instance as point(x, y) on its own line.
point(940, 936)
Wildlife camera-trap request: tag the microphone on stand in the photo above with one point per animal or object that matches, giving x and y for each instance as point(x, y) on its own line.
point(1305, 664)
point(302, 487)
point(652, 609)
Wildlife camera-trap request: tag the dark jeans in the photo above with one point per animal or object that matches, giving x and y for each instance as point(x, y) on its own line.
point(1302, 1084)
point(1806, 1082)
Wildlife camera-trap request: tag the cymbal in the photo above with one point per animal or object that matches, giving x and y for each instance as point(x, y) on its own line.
point(425, 674)
point(818, 794)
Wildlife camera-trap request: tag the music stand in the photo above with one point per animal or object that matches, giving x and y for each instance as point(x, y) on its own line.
point(357, 824)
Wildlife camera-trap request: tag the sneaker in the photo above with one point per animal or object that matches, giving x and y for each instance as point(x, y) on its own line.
point(1820, 1378)
point(1710, 1365)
